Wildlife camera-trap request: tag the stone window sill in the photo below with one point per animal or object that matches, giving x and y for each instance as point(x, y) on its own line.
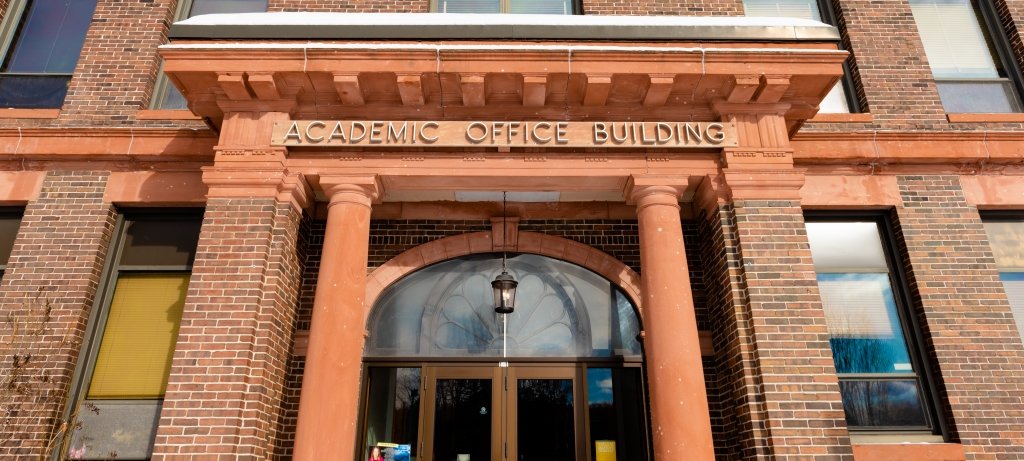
point(908, 451)
point(986, 118)
point(30, 113)
point(163, 114)
point(842, 118)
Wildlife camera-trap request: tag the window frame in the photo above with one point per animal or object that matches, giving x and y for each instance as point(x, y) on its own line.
point(163, 84)
point(6, 213)
point(989, 21)
point(910, 324)
point(1013, 216)
point(100, 311)
point(577, 7)
point(14, 16)
point(828, 16)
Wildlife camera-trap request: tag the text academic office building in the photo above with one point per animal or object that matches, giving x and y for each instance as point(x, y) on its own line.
point(512, 230)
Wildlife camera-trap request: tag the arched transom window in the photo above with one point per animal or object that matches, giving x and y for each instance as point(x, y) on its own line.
point(562, 310)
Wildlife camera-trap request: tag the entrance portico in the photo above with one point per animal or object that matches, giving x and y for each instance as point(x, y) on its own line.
point(760, 92)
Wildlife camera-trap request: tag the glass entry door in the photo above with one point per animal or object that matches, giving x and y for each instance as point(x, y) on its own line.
point(524, 412)
point(542, 416)
point(464, 414)
point(500, 413)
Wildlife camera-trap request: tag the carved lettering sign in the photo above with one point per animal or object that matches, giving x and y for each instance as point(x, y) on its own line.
point(377, 133)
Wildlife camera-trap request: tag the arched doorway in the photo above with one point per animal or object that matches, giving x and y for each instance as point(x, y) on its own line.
point(447, 379)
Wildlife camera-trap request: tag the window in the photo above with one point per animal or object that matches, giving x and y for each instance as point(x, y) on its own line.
point(41, 42)
point(969, 72)
point(1006, 235)
point(504, 6)
point(165, 95)
point(880, 371)
point(10, 221)
point(836, 101)
point(129, 357)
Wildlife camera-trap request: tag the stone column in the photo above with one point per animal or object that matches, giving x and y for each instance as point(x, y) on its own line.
point(329, 403)
point(680, 420)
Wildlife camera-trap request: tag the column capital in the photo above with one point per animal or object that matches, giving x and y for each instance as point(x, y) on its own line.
point(358, 189)
point(647, 190)
point(281, 185)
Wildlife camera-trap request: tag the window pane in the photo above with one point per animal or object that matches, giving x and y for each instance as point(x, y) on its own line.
point(393, 407)
point(160, 242)
point(545, 419)
point(615, 407)
point(462, 419)
point(803, 9)
point(50, 36)
point(9, 224)
point(227, 6)
point(954, 41)
point(888, 403)
point(138, 341)
point(33, 91)
point(835, 101)
point(1014, 284)
point(862, 320)
point(846, 247)
point(991, 97)
point(1007, 240)
point(541, 6)
point(171, 98)
point(469, 6)
point(127, 429)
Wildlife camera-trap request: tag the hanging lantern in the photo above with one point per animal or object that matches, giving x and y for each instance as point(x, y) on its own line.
point(504, 286)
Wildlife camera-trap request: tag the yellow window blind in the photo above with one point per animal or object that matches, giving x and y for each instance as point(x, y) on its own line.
point(138, 341)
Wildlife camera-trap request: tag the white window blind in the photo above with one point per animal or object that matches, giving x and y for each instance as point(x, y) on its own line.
point(856, 308)
point(1015, 291)
point(954, 41)
point(470, 6)
point(540, 7)
point(803, 9)
point(226, 6)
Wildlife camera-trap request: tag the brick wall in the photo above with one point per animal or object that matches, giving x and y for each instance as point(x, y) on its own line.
point(969, 328)
point(788, 360)
point(57, 259)
point(227, 383)
point(739, 429)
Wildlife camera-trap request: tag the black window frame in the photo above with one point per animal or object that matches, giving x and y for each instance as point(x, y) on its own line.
point(17, 213)
point(828, 16)
point(1014, 216)
point(97, 322)
point(10, 29)
point(161, 84)
point(993, 28)
point(907, 308)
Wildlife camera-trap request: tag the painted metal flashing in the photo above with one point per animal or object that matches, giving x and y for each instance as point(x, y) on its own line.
point(433, 26)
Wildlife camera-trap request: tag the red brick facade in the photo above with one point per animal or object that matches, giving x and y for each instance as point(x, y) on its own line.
point(772, 390)
point(57, 260)
point(228, 374)
point(969, 326)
